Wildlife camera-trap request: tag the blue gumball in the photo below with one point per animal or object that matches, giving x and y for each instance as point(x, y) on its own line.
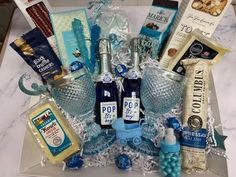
point(120, 70)
point(75, 162)
point(123, 162)
point(76, 65)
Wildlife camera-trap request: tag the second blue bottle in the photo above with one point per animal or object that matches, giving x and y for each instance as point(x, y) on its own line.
point(130, 97)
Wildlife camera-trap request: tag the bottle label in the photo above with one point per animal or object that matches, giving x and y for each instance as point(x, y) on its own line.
point(52, 132)
point(131, 109)
point(107, 78)
point(194, 138)
point(133, 74)
point(108, 112)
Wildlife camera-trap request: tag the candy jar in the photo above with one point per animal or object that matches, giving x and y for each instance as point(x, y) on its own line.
point(170, 163)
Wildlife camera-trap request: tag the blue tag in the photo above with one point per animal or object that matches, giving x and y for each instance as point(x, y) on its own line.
point(196, 139)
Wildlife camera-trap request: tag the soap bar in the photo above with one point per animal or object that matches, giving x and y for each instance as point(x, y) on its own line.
point(54, 135)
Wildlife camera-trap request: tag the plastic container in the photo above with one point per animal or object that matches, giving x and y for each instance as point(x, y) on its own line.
point(170, 163)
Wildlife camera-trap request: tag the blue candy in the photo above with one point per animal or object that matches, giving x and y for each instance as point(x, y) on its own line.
point(123, 162)
point(120, 70)
point(162, 167)
point(162, 156)
point(76, 65)
point(168, 170)
point(164, 173)
point(172, 122)
point(164, 163)
point(168, 156)
point(176, 169)
point(172, 164)
point(174, 158)
point(173, 175)
point(75, 162)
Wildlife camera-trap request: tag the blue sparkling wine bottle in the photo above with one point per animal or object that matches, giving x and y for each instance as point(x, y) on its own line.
point(130, 97)
point(106, 90)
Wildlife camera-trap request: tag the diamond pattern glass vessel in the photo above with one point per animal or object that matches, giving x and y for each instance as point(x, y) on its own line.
point(76, 94)
point(160, 89)
point(160, 92)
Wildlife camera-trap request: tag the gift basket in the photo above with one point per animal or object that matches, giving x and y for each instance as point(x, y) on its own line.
point(116, 98)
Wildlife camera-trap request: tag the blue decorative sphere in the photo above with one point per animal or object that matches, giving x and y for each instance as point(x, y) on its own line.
point(120, 70)
point(76, 65)
point(123, 162)
point(75, 162)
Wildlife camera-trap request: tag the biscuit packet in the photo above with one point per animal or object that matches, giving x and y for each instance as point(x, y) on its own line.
point(195, 111)
point(212, 7)
point(34, 48)
point(198, 46)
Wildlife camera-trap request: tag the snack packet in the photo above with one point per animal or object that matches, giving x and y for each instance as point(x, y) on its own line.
point(34, 48)
point(197, 46)
point(204, 15)
point(194, 120)
point(158, 23)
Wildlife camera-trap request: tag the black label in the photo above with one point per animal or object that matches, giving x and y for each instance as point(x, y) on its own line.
point(195, 122)
point(196, 50)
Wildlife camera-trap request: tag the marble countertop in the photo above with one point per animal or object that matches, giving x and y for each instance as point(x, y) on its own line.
point(14, 103)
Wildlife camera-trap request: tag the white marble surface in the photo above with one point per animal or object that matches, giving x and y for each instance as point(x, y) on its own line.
point(14, 104)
